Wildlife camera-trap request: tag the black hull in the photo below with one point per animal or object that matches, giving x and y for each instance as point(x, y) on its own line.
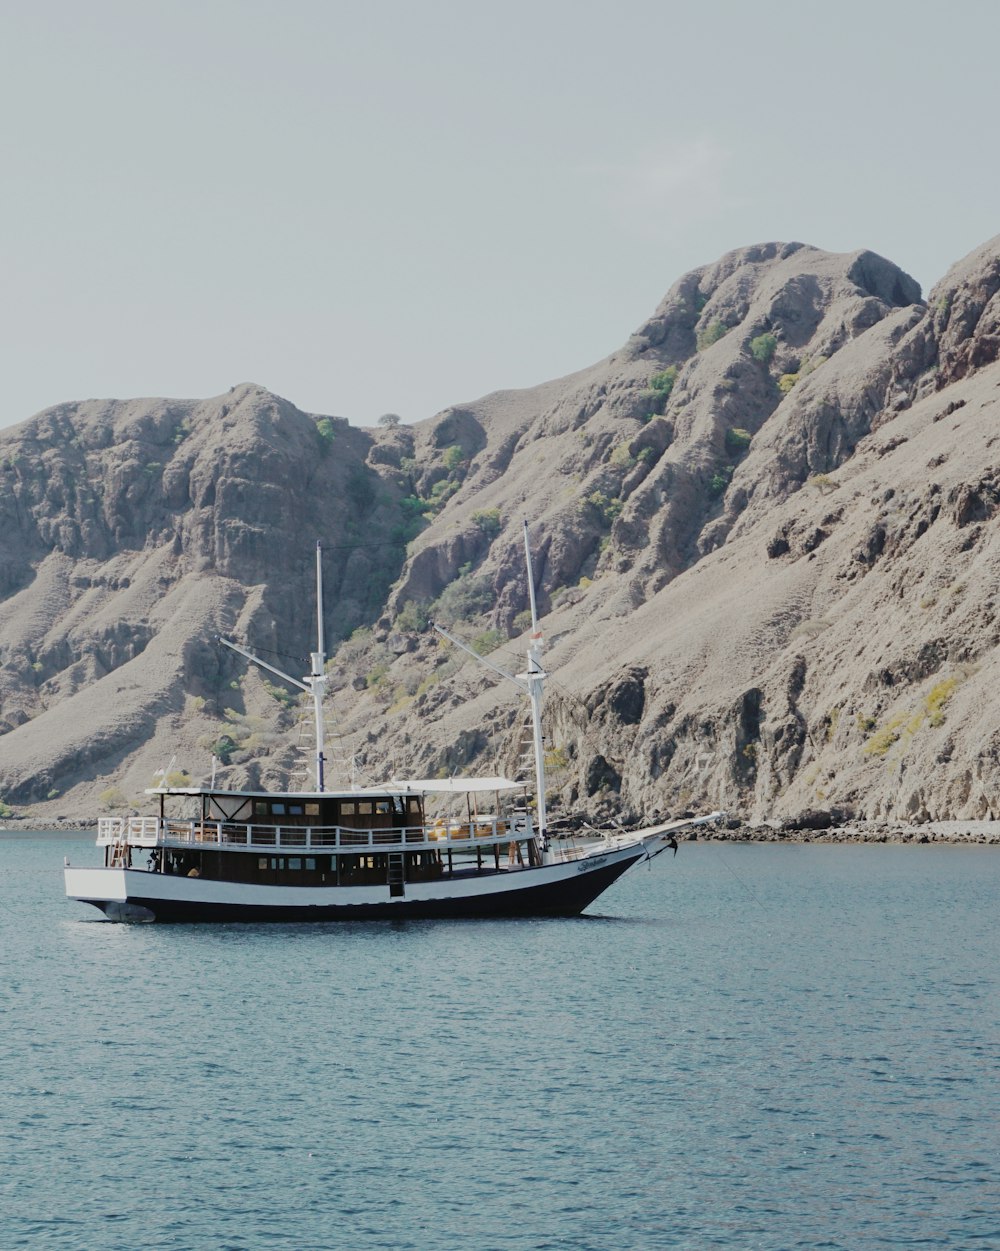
point(567, 897)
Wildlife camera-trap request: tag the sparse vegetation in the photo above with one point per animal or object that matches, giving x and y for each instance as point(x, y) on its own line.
point(556, 758)
point(453, 457)
point(5, 809)
point(223, 748)
point(463, 599)
point(488, 642)
point(285, 697)
point(111, 798)
point(712, 333)
point(720, 480)
point(663, 382)
point(621, 457)
point(763, 347)
point(935, 701)
point(882, 740)
point(377, 674)
point(488, 520)
point(607, 509)
point(786, 382)
point(326, 433)
point(176, 777)
point(414, 617)
point(390, 419)
point(737, 440)
point(823, 483)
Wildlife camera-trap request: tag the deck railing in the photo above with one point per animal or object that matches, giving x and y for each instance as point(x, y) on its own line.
point(154, 832)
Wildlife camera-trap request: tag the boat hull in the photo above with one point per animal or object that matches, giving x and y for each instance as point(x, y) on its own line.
point(562, 889)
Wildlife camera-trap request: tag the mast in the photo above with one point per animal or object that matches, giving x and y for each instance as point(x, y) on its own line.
point(535, 678)
point(317, 678)
point(314, 683)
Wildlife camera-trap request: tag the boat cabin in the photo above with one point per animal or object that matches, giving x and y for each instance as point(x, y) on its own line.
point(349, 838)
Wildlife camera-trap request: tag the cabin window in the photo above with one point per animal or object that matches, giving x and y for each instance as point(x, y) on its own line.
point(414, 805)
point(295, 810)
point(312, 810)
point(348, 809)
point(278, 810)
point(262, 862)
point(311, 863)
point(383, 806)
point(260, 808)
point(365, 808)
point(295, 862)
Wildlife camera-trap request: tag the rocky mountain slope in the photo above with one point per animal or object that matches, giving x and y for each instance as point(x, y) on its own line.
point(765, 539)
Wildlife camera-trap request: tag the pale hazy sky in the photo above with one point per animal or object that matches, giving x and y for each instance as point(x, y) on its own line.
point(375, 207)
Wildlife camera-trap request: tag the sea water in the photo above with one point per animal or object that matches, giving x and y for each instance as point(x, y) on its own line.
point(743, 1046)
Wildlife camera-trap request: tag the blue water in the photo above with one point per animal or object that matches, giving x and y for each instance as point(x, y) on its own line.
point(742, 1047)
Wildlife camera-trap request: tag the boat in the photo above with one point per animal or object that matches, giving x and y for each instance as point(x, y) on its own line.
point(382, 852)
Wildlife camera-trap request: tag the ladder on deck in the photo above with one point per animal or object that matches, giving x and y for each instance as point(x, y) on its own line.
point(397, 874)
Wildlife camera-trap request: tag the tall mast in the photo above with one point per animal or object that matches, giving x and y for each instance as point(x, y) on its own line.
point(317, 678)
point(314, 683)
point(535, 678)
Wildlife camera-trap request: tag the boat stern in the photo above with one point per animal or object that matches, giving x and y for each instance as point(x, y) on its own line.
point(107, 890)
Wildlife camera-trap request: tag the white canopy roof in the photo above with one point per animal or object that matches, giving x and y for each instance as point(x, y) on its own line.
point(453, 786)
point(395, 786)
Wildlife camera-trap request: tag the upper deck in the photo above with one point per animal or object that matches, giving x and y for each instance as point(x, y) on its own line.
point(390, 818)
point(170, 832)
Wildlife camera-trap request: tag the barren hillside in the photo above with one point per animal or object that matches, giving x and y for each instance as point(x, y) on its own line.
point(766, 551)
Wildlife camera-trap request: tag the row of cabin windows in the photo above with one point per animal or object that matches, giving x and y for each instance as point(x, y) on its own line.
point(265, 808)
point(347, 808)
point(353, 863)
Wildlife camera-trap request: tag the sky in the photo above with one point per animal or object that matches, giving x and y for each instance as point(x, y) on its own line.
point(395, 207)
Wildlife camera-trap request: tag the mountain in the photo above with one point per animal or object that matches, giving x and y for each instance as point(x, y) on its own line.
point(764, 537)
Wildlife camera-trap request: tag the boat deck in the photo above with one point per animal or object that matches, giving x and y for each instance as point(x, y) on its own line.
point(451, 836)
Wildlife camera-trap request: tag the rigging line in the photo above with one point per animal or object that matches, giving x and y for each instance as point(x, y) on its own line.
point(738, 878)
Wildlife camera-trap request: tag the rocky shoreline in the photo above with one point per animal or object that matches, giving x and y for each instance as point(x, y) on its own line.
point(985, 833)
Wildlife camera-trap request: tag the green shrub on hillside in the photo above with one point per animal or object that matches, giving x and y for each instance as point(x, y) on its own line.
point(713, 332)
point(737, 440)
point(664, 382)
point(607, 509)
point(488, 642)
point(413, 617)
point(326, 433)
point(488, 520)
point(462, 599)
point(763, 347)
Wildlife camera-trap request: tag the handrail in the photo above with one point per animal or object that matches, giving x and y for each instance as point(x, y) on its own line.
point(171, 832)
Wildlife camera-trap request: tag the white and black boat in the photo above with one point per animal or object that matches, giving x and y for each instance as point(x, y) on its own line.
point(370, 853)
